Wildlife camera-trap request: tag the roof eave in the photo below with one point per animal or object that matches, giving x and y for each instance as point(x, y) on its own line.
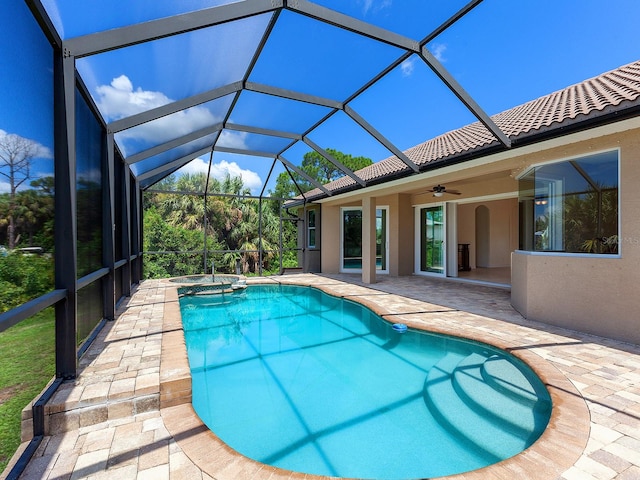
point(582, 122)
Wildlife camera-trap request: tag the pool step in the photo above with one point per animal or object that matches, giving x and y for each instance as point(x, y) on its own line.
point(450, 395)
point(510, 408)
point(66, 411)
point(503, 375)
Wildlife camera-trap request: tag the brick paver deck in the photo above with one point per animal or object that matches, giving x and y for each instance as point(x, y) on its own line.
point(128, 415)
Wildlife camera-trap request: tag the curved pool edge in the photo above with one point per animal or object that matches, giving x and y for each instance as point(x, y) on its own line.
point(558, 448)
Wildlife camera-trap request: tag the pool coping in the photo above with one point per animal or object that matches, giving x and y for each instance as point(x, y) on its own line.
point(558, 448)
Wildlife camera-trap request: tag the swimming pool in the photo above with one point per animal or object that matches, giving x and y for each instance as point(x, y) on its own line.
point(298, 379)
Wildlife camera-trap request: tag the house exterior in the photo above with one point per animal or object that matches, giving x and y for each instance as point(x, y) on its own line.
point(559, 212)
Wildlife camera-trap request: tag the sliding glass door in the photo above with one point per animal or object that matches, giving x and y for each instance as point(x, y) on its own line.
point(431, 241)
point(351, 240)
point(381, 240)
point(351, 248)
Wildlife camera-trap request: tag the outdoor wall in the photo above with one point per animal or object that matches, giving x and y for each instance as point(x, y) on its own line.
point(597, 295)
point(401, 236)
point(330, 239)
point(406, 251)
point(503, 230)
point(593, 295)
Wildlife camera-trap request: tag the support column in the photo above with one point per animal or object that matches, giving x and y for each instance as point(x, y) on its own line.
point(136, 229)
point(369, 240)
point(108, 231)
point(65, 215)
point(126, 229)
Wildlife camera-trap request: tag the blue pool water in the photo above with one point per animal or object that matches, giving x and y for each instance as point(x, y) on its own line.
point(295, 378)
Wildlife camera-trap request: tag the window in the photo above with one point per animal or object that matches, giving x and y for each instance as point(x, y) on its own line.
point(571, 206)
point(311, 229)
point(90, 158)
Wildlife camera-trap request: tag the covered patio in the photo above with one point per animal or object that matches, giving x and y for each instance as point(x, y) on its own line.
point(128, 415)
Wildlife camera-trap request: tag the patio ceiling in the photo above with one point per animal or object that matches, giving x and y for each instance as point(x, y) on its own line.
point(252, 77)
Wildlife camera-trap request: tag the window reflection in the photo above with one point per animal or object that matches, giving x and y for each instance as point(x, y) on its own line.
point(26, 158)
point(571, 206)
point(89, 158)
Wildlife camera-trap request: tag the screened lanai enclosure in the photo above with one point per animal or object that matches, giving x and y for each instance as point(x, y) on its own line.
point(131, 134)
point(106, 111)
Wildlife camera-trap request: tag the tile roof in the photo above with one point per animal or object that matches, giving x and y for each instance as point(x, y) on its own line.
point(609, 92)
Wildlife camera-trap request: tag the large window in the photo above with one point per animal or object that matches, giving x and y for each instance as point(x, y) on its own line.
point(571, 206)
point(89, 161)
point(26, 159)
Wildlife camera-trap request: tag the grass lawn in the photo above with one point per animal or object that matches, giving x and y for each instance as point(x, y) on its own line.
point(27, 363)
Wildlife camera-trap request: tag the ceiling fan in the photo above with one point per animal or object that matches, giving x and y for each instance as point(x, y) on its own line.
point(440, 190)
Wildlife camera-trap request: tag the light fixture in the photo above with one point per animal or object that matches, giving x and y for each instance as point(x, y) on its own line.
point(438, 194)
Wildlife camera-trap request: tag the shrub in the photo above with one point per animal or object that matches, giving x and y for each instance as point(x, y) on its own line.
point(23, 278)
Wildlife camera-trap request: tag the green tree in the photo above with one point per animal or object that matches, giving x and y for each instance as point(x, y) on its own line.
point(160, 235)
point(318, 168)
point(290, 186)
point(176, 222)
point(180, 208)
point(16, 155)
point(34, 214)
point(23, 278)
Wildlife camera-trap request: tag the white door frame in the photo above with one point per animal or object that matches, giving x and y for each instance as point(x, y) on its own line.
point(418, 239)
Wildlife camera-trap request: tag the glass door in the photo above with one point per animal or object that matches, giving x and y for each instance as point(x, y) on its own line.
point(432, 250)
point(351, 251)
point(352, 240)
point(382, 243)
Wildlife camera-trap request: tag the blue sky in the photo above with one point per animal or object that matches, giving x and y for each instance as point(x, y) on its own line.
point(503, 53)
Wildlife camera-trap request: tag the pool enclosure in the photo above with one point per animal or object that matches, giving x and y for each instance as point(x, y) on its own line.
point(104, 103)
point(100, 104)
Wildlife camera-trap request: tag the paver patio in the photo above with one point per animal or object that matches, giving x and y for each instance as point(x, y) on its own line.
point(125, 415)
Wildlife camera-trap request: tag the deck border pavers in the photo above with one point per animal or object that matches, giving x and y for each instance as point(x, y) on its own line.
point(594, 383)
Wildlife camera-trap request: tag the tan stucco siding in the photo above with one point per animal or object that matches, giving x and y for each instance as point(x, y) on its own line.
point(330, 237)
point(582, 292)
point(503, 230)
point(591, 294)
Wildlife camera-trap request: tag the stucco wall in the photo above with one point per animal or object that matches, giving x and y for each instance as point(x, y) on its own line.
point(406, 251)
point(503, 231)
point(401, 234)
point(330, 237)
point(581, 292)
point(590, 294)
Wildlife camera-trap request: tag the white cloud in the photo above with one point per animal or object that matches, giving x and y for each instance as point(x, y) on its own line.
point(407, 66)
point(198, 165)
point(5, 187)
point(54, 14)
point(119, 99)
point(250, 179)
point(92, 175)
point(375, 5)
point(438, 49)
point(219, 170)
point(232, 139)
point(12, 139)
